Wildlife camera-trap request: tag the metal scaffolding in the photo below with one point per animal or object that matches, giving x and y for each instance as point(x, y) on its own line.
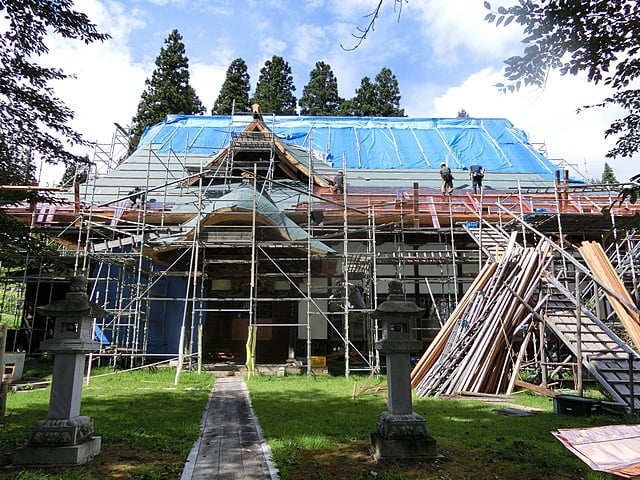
point(236, 279)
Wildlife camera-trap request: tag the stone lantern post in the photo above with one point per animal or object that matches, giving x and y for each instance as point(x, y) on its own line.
point(66, 437)
point(400, 433)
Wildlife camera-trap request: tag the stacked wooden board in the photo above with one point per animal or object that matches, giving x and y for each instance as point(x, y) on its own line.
point(617, 295)
point(475, 351)
point(478, 352)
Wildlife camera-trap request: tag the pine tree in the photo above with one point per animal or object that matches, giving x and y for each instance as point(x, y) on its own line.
point(348, 108)
point(388, 94)
point(607, 175)
point(320, 95)
point(76, 173)
point(379, 99)
point(168, 90)
point(365, 102)
point(274, 90)
point(234, 94)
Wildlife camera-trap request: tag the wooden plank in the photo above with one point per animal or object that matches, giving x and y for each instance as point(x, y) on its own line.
point(434, 214)
point(602, 269)
point(535, 388)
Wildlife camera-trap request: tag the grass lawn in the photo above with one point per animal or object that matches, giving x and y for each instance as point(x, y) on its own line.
point(317, 429)
point(147, 424)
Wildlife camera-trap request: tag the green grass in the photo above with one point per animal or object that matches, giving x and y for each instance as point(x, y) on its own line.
point(147, 424)
point(316, 430)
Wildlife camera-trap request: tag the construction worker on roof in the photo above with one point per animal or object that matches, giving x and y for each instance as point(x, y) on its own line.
point(447, 179)
point(476, 174)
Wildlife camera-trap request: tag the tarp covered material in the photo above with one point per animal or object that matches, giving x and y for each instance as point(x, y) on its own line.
point(369, 143)
point(613, 449)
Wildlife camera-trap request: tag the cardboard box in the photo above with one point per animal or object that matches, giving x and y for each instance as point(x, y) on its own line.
point(318, 362)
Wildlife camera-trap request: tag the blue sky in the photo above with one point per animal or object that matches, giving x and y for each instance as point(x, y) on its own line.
point(446, 58)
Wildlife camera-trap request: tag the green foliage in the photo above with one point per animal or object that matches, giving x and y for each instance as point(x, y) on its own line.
point(20, 247)
point(274, 90)
point(12, 295)
point(607, 175)
point(629, 193)
point(320, 96)
point(388, 94)
point(33, 122)
point(234, 94)
point(365, 102)
point(375, 99)
point(599, 38)
point(167, 91)
point(75, 173)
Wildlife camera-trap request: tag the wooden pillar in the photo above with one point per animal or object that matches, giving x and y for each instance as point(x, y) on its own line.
point(416, 205)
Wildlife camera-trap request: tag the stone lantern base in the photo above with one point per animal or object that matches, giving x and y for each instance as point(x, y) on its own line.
point(404, 436)
point(60, 442)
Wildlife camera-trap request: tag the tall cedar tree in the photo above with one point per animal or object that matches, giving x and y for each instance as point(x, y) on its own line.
point(33, 122)
point(235, 88)
point(274, 90)
point(388, 93)
point(379, 99)
point(599, 37)
point(607, 175)
point(365, 102)
point(168, 90)
point(320, 96)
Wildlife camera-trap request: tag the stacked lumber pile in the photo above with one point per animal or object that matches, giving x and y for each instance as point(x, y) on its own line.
point(474, 351)
point(617, 295)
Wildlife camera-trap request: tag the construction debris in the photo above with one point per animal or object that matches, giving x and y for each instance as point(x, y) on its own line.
point(474, 351)
point(482, 346)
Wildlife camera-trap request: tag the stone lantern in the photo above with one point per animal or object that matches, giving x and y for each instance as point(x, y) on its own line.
point(400, 433)
point(66, 437)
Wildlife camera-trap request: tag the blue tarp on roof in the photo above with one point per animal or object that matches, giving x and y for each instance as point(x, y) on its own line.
point(369, 143)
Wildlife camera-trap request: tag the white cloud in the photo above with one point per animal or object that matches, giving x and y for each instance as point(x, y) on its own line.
point(547, 115)
point(313, 42)
point(108, 84)
point(458, 27)
point(207, 81)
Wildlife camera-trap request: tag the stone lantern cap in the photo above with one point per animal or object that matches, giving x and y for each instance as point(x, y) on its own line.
point(73, 326)
point(76, 302)
point(396, 302)
point(398, 318)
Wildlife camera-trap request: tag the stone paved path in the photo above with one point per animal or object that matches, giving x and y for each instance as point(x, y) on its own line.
point(231, 446)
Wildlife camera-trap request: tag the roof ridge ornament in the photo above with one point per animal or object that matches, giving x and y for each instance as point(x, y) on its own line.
point(256, 111)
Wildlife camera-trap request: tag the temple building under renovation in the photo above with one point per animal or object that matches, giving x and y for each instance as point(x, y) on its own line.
point(248, 240)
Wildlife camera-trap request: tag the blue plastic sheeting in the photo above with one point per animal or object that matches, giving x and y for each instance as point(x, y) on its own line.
point(369, 143)
point(99, 336)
